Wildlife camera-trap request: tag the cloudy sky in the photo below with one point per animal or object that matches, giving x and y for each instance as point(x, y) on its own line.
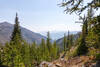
point(38, 15)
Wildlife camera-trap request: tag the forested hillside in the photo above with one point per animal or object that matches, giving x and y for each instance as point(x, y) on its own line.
point(19, 53)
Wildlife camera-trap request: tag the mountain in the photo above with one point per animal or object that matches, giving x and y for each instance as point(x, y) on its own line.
point(6, 31)
point(60, 40)
point(55, 35)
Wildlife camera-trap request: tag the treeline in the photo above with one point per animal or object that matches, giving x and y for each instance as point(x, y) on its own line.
point(19, 53)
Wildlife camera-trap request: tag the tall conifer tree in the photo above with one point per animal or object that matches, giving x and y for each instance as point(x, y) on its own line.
point(48, 41)
point(64, 42)
point(68, 40)
point(16, 44)
point(16, 34)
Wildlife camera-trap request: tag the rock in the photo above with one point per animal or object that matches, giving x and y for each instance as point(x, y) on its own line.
point(82, 61)
point(44, 64)
point(47, 64)
point(58, 65)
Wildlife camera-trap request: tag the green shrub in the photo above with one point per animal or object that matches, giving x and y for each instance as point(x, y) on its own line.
point(98, 56)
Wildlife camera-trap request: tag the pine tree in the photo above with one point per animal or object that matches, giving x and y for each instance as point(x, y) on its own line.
point(12, 55)
point(25, 52)
point(14, 48)
point(82, 47)
point(16, 37)
point(71, 40)
point(16, 34)
point(55, 50)
point(48, 41)
point(93, 37)
point(43, 49)
point(64, 42)
point(68, 39)
point(33, 54)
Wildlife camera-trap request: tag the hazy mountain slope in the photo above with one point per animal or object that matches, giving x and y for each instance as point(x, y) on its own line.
point(55, 35)
point(60, 41)
point(6, 31)
point(59, 34)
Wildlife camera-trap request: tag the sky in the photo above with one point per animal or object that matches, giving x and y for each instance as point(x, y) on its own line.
point(38, 15)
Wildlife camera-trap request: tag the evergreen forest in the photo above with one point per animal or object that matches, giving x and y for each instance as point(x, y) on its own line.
point(19, 53)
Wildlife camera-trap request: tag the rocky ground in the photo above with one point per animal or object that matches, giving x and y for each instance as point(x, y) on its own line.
point(83, 61)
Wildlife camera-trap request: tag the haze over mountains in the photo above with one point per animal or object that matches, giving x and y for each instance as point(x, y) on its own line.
point(6, 31)
point(7, 28)
point(55, 35)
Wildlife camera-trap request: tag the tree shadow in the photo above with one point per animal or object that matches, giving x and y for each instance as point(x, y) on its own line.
point(3, 66)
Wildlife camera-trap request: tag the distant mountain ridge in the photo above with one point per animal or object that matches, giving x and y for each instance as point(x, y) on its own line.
point(60, 40)
point(55, 35)
point(6, 31)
